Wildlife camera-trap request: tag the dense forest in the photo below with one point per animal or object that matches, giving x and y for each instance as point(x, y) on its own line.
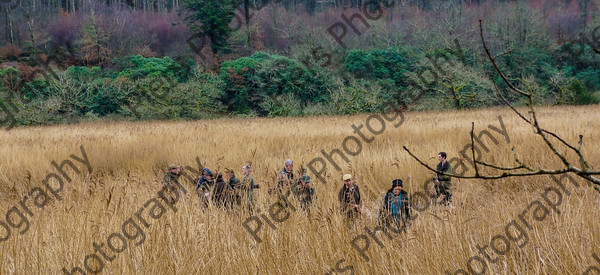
point(74, 60)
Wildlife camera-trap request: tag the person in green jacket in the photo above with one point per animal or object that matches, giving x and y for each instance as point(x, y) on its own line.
point(443, 183)
point(246, 189)
point(171, 183)
point(305, 193)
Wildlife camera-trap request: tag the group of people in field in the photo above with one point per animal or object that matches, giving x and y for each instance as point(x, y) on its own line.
point(231, 192)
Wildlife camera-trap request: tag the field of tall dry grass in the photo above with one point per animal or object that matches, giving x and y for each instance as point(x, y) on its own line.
point(127, 162)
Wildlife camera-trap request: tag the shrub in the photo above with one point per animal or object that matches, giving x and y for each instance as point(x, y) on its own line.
point(252, 81)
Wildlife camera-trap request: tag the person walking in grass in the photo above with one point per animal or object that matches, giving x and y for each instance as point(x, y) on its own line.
point(443, 183)
point(349, 198)
point(286, 181)
point(246, 189)
point(396, 207)
point(221, 193)
point(235, 185)
point(233, 181)
point(171, 183)
point(305, 193)
point(204, 185)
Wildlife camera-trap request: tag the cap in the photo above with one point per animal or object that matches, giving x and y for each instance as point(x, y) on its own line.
point(346, 177)
point(397, 182)
point(228, 170)
point(305, 178)
point(207, 172)
point(173, 166)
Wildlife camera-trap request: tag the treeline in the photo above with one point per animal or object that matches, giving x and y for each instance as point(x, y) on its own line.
point(111, 62)
point(263, 84)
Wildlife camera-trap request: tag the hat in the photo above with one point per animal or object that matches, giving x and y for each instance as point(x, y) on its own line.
point(346, 177)
point(207, 172)
point(396, 183)
point(305, 178)
point(228, 170)
point(173, 166)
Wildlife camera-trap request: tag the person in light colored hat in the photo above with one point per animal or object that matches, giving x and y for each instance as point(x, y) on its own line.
point(171, 183)
point(349, 198)
point(305, 193)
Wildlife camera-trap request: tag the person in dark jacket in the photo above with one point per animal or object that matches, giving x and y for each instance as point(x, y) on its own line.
point(171, 183)
point(443, 183)
point(349, 198)
point(305, 193)
point(396, 207)
point(221, 193)
point(235, 184)
point(286, 181)
point(204, 185)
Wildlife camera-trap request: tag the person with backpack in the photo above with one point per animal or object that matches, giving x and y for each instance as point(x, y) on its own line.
point(396, 207)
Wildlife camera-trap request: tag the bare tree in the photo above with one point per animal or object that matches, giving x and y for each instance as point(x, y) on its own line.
point(521, 169)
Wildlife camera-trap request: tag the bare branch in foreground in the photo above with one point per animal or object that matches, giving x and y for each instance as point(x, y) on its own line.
point(523, 170)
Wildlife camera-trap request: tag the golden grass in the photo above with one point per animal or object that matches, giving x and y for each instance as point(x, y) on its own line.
point(128, 160)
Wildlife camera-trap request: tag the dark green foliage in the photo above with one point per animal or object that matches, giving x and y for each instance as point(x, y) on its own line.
point(379, 64)
point(582, 95)
point(590, 78)
point(138, 87)
point(525, 62)
point(210, 18)
point(577, 56)
point(138, 67)
point(261, 83)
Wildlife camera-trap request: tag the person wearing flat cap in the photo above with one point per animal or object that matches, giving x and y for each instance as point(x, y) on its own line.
point(171, 183)
point(204, 185)
point(349, 198)
point(305, 193)
point(395, 209)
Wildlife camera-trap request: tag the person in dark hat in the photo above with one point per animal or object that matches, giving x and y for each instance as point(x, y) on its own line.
point(204, 185)
point(305, 193)
point(396, 207)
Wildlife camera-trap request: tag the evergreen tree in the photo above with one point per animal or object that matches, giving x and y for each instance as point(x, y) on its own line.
point(210, 18)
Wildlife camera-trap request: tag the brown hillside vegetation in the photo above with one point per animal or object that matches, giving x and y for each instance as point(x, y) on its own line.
point(128, 161)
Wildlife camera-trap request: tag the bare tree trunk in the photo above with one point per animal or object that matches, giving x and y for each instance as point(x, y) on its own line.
point(9, 27)
point(247, 15)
